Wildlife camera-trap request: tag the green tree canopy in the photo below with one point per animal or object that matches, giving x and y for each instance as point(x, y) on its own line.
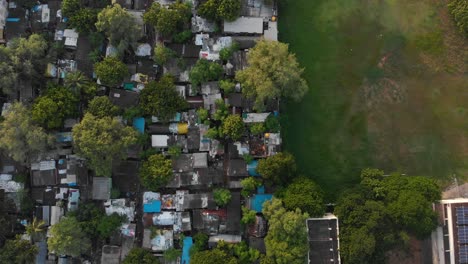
point(67, 238)
point(306, 195)
point(100, 140)
point(243, 253)
point(20, 137)
point(384, 210)
point(18, 251)
point(233, 127)
point(156, 172)
point(162, 54)
point(119, 26)
point(161, 99)
point(89, 216)
point(51, 109)
point(70, 7)
point(111, 71)
point(80, 85)
point(205, 71)
point(459, 11)
point(273, 72)
point(140, 256)
point(101, 106)
point(168, 20)
point(220, 9)
point(286, 241)
point(22, 59)
point(84, 20)
point(222, 196)
point(8, 72)
point(214, 256)
point(257, 128)
point(249, 185)
point(109, 224)
point(278, 169)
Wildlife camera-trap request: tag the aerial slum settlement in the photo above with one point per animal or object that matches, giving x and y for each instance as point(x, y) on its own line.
point(59, 181)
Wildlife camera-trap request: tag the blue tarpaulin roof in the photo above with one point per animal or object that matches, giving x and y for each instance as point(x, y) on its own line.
point(188, 242)
point(258, 200)
point(252, 168)
point(153, 207)
point(261, 189)
point(139, 124)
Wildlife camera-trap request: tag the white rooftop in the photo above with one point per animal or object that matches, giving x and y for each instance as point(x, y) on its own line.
point(159, 141)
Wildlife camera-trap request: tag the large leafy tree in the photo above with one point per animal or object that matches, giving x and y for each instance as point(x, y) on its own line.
point(214, 256)
point(273, 72)
point(84, 20)
point(140, 256)
point(161, 99)
point(70, 7)
point(20, 137)
point(381, 213)
point(67, 238)
point(111, 71)
point(119, 26)
point(109, 224)
point(243, 253)
point(168, 20)
point(29, 54)
point(286, 241)
point(220, 9)
point(306, 195)
point(205, 71)
point(233, 127)
point(51, 109)
point(24, 57)
point(18, 251)
point(101, 107)
point(8, 73)
point(459, 11)
point(278, 169)
point(156, 172)
point(101, 140)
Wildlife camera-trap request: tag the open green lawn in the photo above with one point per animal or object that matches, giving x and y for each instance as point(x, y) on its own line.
point(373, 100)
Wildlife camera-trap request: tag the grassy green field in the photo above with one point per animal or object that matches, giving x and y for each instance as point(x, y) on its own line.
point(385, 91)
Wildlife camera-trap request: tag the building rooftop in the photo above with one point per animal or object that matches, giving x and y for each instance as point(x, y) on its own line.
point(237, 168)
point(101, 188)
point(246, 25)
point(110, 254)
point(123, 98)
point(323, 240)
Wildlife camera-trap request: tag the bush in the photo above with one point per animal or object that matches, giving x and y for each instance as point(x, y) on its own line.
point(205, 71)
point(272, 124)
point(227, 86)
point(257, 129)
point(248, 216)
point(222, 196)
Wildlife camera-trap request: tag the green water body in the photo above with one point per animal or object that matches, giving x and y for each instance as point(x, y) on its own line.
point(340, 42)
